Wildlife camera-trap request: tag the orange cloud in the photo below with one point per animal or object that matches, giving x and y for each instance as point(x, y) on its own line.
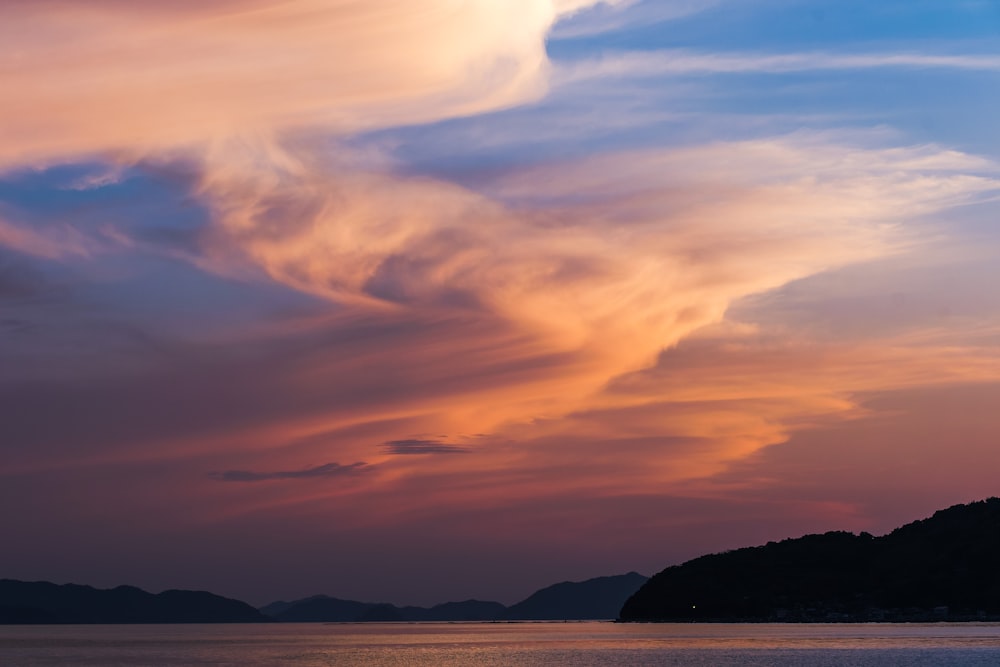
point(674, 430)
point(581, 276)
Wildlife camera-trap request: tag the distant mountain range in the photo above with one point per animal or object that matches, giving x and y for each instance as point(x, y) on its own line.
point(42, 602)
point(599, 598)
point(946, 567)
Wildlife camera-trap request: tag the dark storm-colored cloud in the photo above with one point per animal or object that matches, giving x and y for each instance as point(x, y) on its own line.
point(325, 470)
point(415, 446)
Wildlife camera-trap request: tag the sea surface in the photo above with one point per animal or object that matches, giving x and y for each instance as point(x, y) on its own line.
point(507, 644)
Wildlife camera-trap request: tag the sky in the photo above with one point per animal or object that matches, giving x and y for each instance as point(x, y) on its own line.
point(418, 301)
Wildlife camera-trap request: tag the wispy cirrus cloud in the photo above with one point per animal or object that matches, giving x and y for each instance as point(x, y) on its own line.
point(614, 16)
point(573, 273)
point(322, 471)
point(60, 242)
point(423, 446)
point(516, 300)
point(680, 62)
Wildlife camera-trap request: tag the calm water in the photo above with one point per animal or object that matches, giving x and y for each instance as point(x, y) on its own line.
point(447, 644)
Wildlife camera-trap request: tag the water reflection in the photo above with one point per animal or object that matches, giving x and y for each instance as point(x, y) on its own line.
point(517, 644)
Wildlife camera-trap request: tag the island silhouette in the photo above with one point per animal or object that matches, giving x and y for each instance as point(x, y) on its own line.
point(944, 568)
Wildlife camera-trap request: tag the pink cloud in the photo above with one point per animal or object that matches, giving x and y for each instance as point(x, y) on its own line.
point(127, 77)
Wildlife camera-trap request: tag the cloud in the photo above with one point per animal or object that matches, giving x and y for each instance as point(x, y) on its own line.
point(326, 470)
point(60, 242)
point(562, 276)
point(709, 410)
point(611, 17)
point(117, 77)
point(417, 446)
point(674, 62)
point(508, 308)
point(646, 244)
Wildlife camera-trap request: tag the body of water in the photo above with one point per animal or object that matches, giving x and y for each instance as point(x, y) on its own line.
point(507, 644)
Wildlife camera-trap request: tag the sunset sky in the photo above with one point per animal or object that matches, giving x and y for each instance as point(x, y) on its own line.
point(428, 300)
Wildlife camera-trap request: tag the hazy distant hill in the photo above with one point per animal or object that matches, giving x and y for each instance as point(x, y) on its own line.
point(469, 610)
point(319, 608)
point(44, 602)
point(332, 610)
point(599, 598)
point(946, 567)
point(276, 608)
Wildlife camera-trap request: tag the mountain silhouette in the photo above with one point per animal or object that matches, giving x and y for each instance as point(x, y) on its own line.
point(941, 568)
point(468, 610)
point(321, 608)
point(45, 602)
point(276, 608)
point(599, 598)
